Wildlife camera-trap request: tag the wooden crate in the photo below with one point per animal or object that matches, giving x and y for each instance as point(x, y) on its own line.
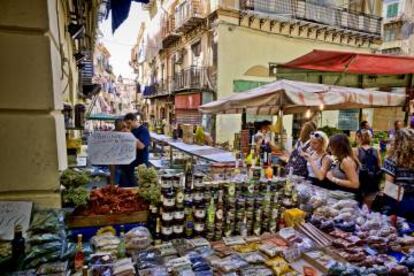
point(103, 220)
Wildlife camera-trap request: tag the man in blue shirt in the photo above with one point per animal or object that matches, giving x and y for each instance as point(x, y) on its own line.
point(140, 132)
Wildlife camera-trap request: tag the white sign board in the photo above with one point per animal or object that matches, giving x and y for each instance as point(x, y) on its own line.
point(111, 148)
point(13, 213)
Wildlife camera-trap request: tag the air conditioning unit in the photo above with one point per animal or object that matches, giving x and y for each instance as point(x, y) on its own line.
point(179, 57)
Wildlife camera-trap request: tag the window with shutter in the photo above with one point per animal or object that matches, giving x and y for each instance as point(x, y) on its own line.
point(392, 10)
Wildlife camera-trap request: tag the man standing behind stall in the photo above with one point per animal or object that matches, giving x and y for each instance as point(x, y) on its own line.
point(140, 132)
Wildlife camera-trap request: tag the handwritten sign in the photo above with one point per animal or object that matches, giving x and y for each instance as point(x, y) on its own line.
point(111, 148)
point(13, 213)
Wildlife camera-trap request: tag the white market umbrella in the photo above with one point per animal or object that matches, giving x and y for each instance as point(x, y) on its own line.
point(297, 97)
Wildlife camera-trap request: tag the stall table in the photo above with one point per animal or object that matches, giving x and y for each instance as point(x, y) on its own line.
point(207, 153)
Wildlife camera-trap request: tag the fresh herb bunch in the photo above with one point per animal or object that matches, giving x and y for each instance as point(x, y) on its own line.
point(78, 196)
point(74, 178)
point(149, 189)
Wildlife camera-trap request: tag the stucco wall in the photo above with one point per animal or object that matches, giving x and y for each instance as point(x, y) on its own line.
point(32, 134)
point(240, 48)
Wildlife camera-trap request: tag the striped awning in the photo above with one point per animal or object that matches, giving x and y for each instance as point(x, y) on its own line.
point(296, 97)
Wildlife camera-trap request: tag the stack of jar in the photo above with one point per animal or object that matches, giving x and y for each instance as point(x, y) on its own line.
point(214, 209)
point(172, 207)
point(199, 205)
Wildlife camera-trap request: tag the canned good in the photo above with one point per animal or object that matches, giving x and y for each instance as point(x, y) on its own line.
point(179, 214)
point(167, 216)
point(166, 182)
point(168, 201)
point(176, 181)
point(199, 227)
point(200, 213)
point(178, 229)
point(166, 230)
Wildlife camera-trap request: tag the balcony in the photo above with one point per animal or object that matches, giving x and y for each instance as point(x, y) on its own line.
point(158, 89)
point(393, 44)
point(188, 15)
point(168, 33)
point(192, 78)
point(331, 16)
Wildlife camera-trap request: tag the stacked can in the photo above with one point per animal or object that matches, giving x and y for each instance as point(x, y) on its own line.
point(250, 212)
point(240, 212)
point(274, 213)
point(199, 205)
point(267, 210)
point(258, 215)
point(230, 199)
point(219, 216)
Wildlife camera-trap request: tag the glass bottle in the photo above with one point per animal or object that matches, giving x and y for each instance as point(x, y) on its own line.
point(188, 176)
point(189, 225)
point(121, 245)
point(18, 245)
point(79, 255)
point(85, 270)
point(157, 234)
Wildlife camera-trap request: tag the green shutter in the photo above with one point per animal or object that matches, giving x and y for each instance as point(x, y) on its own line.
point(392, 10)
point(244, 85)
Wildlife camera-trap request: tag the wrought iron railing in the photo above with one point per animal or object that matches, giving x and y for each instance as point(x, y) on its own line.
point(187, 10)
point(191, 78)
point(168, 25)
point(315, 12)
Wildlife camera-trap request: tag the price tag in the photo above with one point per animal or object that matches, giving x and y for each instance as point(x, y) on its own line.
point(81, 161)
point(394, 191)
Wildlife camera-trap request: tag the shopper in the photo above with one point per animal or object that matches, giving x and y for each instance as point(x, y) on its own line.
point(344, 173)
point(370, 167)
point(365, 125)
point(140, 132)
point(318, 161)
point(296, 162)
point(399, 171)
point(263, 135)
point(398, 124)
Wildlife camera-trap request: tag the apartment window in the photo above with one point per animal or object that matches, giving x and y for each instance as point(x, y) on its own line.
point(196, 49)
point(392, 10)
point(392, 32)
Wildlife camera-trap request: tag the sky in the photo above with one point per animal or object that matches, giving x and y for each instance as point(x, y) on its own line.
point(121, 43)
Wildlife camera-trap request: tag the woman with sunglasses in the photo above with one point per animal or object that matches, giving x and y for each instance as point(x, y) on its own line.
point(344, 174)
point(318, 160)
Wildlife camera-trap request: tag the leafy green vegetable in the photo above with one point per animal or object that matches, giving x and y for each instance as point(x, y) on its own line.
point(74, 178)
point(149, 189)
point(77, 196)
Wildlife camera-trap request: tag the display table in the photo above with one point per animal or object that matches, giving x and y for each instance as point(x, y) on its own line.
point(208, 153)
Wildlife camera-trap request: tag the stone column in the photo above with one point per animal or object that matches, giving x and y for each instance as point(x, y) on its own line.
point(32, 138)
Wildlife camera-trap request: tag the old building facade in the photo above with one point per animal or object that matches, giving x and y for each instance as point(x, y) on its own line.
point(191, 52)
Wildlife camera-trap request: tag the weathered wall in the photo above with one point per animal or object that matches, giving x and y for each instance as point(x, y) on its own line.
point(31, 125)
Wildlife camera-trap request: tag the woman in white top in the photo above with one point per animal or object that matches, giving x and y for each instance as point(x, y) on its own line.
point(318, 161)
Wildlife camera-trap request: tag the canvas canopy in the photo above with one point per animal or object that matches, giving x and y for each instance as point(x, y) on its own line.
point(296, 97)
point(353, 63)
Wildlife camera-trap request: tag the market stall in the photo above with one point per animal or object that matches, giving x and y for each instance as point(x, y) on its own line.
point(295, 96)
point(237, 219)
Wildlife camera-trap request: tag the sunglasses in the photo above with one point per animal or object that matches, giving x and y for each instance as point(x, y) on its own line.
point(316, 135)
